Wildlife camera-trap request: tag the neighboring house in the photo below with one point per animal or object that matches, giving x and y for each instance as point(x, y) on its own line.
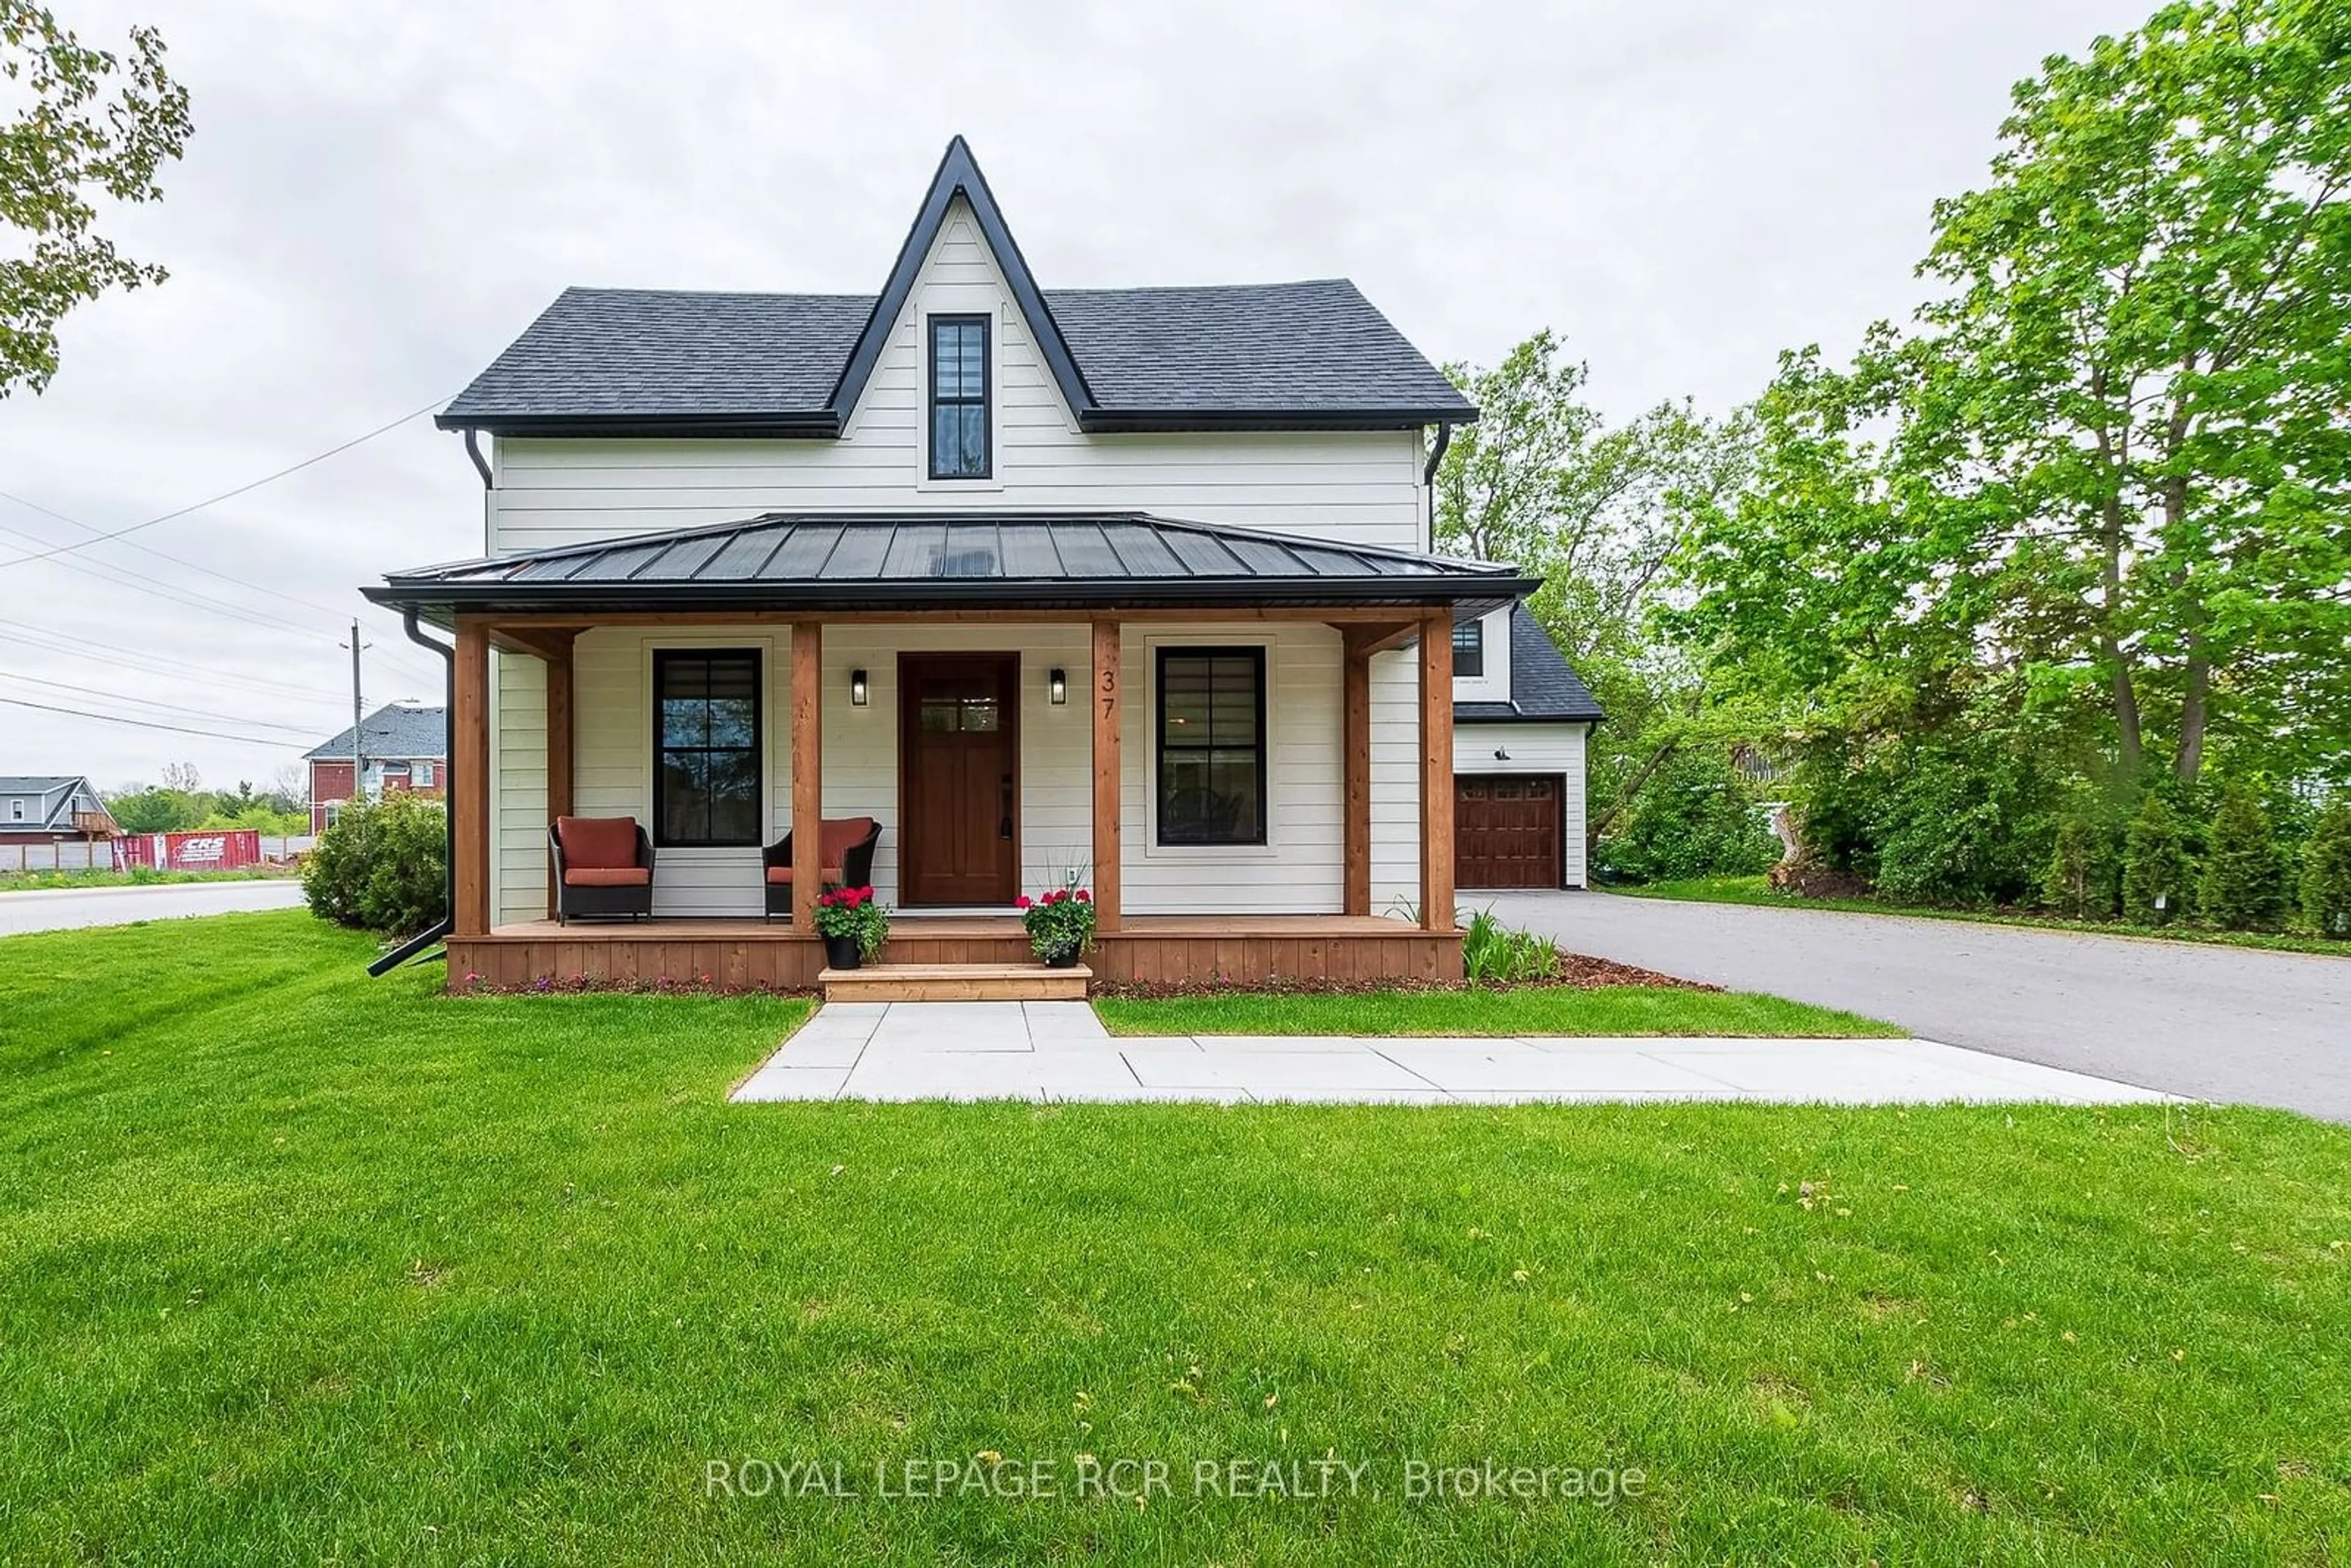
point(1133, 583)
point(50, 809)
point(403, 746)
point(1521, 719)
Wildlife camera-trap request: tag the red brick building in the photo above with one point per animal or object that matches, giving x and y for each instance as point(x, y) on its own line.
point(403, 746)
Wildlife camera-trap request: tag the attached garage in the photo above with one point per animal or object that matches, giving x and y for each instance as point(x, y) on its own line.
point(1521, 719)
point(1507, 830)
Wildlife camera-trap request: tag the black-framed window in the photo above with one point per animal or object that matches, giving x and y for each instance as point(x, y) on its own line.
point(959, 387)
point(1211, 716)
point(1469, 647)
point(706, 747)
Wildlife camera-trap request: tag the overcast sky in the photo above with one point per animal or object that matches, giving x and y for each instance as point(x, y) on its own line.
point(379, 196)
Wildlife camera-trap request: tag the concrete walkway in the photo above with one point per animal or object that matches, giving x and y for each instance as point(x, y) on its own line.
point(1059, 1050)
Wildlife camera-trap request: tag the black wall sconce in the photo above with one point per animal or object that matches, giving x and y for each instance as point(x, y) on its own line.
point(857, 692)
point(1057, 686)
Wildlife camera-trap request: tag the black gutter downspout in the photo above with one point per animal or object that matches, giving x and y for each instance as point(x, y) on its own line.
point(440, 929)
point(1428, 474)
point(481, 467)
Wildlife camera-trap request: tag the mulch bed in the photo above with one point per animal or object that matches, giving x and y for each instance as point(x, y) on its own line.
point(1577, 972)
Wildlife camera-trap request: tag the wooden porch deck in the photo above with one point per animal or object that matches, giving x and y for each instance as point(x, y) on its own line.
point(1158, 949)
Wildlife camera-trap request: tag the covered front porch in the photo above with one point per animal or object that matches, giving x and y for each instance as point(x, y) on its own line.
point(1250, 772)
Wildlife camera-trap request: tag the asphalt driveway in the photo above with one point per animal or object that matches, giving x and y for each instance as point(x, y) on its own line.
point(65, 909)
point(2217, 1023)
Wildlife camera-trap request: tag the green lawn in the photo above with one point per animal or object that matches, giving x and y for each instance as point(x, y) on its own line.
point(1755, 890)
point(301, 1266)
point(1545, 1009)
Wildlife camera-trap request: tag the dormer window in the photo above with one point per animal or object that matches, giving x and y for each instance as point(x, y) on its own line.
point(1469, 647)
point(959, 397)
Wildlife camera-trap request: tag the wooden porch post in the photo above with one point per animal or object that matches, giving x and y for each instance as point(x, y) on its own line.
point(1356, 749)
point(807, 770)
point(469, 779)
point(1436, 770)
point(559, 744)
point(1106, 701)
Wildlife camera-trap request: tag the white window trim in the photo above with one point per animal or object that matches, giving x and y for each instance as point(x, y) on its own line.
point(1235, 854)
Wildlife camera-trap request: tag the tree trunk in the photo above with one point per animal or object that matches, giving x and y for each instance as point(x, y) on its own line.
point(2195, 703)
point(2129, 750)
point(1594, 829)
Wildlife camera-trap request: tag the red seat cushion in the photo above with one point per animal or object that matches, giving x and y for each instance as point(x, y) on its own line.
point(783, 873)
point(597, 841)
point(608, 876)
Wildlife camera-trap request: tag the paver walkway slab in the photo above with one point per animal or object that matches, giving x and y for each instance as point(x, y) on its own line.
point(1059, 1050)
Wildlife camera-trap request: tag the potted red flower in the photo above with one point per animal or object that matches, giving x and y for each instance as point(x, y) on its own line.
point(1060, 925)
point(853, 925)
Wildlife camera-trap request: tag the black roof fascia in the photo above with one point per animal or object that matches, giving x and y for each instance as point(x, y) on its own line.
point(1460, 717)
point(958, 173)
point(1469, 594)
point(1107, 422)
point(818, 423)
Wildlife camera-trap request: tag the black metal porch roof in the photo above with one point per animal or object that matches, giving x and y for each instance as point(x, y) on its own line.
point(905, 561)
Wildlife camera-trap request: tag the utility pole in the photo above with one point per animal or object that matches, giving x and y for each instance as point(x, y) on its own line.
point(359, 747)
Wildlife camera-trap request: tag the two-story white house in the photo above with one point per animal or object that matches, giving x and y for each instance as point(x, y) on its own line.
point(1006, 584)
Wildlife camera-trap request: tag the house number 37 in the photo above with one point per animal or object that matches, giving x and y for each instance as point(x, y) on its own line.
point(1109, 692)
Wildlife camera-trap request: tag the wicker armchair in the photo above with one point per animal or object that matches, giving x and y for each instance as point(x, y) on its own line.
point(846, 856)
point(603, 868)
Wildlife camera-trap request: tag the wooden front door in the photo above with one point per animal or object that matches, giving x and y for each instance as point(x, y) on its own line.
point(959, 777)
point(1506, 831)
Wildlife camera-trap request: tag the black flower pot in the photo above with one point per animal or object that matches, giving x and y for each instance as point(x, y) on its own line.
point(840, 952)
point(1061, 958)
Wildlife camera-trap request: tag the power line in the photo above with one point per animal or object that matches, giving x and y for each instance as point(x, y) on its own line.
point(160, 555)
point(147, 663)
point(163, 707)
point(187, 598)
point(227, 495)
point(140, 723)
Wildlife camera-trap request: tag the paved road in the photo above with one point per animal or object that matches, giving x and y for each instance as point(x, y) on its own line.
point(69, 908)
point(2217, 1023)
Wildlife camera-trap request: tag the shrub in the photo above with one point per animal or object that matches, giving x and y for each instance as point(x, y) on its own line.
point(2244, 884)
point(2326, 872)
point(382, 868)
point(1493, 952)
point(1693, 818)
point(2156, 868)
point(2080, 878)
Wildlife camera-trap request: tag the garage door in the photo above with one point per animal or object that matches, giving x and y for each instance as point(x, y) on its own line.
point(1506, 831)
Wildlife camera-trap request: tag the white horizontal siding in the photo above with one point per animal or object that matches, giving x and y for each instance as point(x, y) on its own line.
point(1299, 871)
point(1535, 749)
point(519, 863)
point(1355, 486)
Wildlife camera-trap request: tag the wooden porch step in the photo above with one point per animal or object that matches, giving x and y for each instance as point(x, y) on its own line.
point(956, 983)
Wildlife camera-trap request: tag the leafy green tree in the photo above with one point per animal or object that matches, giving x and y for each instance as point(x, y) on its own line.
point(2326, 871)
point(2158, 870)
point(1600, 512)
point(1694, 819)
point(2243, 883)
point(86, 123)
point(155, 809)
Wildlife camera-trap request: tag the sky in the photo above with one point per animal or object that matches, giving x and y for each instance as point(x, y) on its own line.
point(378, 197)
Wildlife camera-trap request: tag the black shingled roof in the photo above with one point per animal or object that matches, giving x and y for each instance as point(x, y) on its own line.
point(397, 732)
point(1543, 689)
point(891, 560)
point(637, 361)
